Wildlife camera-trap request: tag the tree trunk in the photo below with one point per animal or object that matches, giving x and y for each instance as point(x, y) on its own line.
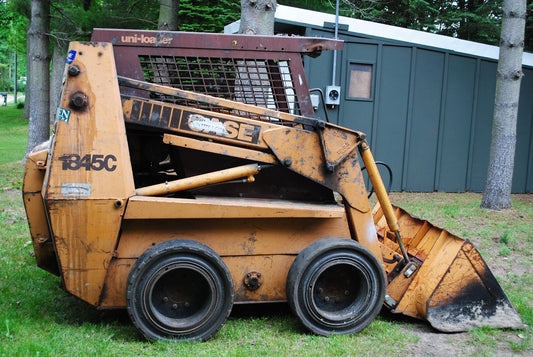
point(168, 15)
point(39, 53)
point(257, 17)
point(15, 79)
point(500, 173)
point(58, 67)
point(27, 90)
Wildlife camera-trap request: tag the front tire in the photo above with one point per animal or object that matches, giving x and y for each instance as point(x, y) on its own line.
point(336, 286)
point(179, 289)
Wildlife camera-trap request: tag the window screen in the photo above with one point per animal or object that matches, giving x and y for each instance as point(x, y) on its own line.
point(360, 81)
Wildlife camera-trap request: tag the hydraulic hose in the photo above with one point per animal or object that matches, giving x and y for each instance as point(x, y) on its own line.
point(389, 186)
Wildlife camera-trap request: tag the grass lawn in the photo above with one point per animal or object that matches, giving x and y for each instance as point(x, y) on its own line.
point(13, 140)
point(38, 318)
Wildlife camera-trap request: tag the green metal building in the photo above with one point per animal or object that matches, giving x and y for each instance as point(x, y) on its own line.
point(425, 101)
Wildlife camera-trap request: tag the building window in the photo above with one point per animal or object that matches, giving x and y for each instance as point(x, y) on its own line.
point(360, 80)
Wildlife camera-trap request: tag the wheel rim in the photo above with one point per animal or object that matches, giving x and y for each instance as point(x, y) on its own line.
point(338, 293)
point(181, 297)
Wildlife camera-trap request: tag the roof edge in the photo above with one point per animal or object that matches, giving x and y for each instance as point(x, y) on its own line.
point(374, 29)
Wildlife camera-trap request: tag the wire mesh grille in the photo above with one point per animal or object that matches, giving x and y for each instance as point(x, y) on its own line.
point(261, 82)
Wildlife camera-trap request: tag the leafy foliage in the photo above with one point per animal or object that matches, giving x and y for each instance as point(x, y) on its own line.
point(528, 38)
point(75, 20)
point(207, 15)
point(13, 35)
point(473, 20)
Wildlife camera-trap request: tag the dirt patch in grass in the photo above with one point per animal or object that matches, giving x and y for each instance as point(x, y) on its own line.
point(434, 343)
point(524, 197)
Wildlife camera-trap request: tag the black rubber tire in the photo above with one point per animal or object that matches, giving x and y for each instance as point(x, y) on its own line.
point(336, 286)
point(179, 290)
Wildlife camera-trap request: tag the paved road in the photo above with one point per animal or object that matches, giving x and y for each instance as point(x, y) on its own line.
point(10, 98)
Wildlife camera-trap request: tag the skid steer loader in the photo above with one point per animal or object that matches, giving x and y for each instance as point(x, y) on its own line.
point(188, 173)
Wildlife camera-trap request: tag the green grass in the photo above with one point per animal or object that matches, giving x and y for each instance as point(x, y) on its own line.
point(13, 140)
point(38, 318)
point(13, 134)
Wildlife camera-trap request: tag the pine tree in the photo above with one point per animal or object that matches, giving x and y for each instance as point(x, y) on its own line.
point(500, 174)
point(207, 15)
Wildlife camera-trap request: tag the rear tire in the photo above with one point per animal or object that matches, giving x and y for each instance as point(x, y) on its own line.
point(179, 289)
point(336, 286)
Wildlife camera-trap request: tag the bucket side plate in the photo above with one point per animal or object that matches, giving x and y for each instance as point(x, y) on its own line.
point(469, 297)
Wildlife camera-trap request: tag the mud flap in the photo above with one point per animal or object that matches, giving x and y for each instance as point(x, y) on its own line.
point(468, 297)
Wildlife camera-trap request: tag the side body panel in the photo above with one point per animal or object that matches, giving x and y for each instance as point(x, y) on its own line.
point(89, 174)
point(251, 236)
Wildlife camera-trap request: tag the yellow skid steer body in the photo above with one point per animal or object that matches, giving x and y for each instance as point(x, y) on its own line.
point(188, 173)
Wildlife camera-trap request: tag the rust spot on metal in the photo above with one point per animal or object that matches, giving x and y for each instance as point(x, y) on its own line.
point(78, 101)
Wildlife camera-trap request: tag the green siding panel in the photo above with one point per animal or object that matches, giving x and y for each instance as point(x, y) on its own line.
point(523, 134)
point(526, 101)
point(392, 108)
point(456, 123)
point(483, 126)
point(424, 121)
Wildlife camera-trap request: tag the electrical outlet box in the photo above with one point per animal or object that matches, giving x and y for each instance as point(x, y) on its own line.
point(315, 101)
point(333, 95)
